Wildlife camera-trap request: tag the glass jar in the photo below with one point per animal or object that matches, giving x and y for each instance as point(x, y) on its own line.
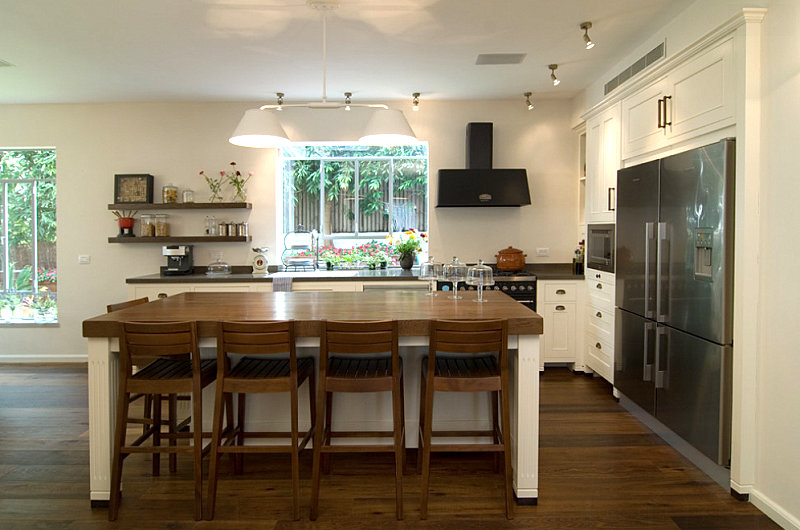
point(147, 227)
point(169, 194)
point(162, 226)
point(211, 225)
point(188, 195)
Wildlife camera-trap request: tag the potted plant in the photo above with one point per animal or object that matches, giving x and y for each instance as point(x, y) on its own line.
point(407, 245)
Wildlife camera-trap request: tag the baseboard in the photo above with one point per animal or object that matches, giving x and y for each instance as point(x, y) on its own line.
point(774, 511)
point(32, 358)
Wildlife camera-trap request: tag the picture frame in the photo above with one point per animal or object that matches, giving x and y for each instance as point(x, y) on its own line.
point(133, 188)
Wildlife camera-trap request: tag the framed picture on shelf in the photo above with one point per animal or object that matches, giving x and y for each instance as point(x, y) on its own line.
point(133, 188)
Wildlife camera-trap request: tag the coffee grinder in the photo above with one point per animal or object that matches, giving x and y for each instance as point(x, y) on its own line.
point(179, 259)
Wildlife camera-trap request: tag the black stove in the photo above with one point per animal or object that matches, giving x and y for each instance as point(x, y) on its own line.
point(520, 286)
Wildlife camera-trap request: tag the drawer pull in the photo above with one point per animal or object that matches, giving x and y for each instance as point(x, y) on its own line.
point(599, 314)
point(561, 291)
point(597, 276)
point(163, 295)
point(560, 308)
point(598, 346)
point(600, 286)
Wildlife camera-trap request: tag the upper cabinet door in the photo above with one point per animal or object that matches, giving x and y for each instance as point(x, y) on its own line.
point(602, 163)
point(695, 98)
point(642, 119)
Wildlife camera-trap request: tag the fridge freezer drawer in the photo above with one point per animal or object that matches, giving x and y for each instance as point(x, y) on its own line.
point(600, 357)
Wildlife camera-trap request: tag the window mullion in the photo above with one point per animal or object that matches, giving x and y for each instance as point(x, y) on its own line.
point(6, 246)
point(356, 181)
point(322, 198)
point(391, 195)
point(35, 237)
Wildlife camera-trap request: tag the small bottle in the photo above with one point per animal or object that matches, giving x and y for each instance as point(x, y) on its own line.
point(188, 195)
point(169, 194)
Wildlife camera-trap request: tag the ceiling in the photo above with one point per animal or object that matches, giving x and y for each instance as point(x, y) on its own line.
point(246, 50)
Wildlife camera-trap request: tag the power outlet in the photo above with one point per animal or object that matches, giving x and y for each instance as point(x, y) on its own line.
point(542, 252)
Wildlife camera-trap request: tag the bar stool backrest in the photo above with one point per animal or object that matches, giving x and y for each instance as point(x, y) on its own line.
point(110, 308)
point(470, 336)
point(359, 337)
point(256, 338)
point(141, 342)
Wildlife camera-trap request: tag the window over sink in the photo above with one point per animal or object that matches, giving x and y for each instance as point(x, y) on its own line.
point(354, 194)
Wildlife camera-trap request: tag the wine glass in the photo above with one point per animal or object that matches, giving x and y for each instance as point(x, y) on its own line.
point(431, 271)
point(455, 272)
point(481, 276)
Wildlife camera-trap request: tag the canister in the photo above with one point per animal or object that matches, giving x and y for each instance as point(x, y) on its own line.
point(188, 195)
point(169, 194)
point(162, 226)
point(147, 227)
point(241, 229)
point(222, 229)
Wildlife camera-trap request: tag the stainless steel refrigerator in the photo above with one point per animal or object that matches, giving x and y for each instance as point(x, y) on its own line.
point(674, 297)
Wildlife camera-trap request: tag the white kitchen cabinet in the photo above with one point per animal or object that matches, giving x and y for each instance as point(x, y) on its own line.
point(558, 302)
point(602, 163)
point(599, 319)
point(326, 286)
point(694, 98)
point(153, 291)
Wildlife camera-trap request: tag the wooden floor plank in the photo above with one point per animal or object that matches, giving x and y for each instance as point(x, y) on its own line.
point(599, 468)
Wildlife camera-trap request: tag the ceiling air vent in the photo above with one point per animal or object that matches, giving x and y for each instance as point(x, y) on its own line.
point(646, 60)
point(500, 58)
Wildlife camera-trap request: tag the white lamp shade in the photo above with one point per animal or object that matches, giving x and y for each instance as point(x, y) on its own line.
point(388, 127)
point(259, 128)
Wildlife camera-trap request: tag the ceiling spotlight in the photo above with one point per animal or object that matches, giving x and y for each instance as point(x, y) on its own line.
point(585, 26)
point(556, 81)
point(347, 100)
point(280, 101)
point(415, 101)
point(528, 100)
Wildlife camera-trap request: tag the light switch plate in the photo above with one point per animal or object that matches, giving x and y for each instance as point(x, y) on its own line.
point(84, 259)
point(542, 252)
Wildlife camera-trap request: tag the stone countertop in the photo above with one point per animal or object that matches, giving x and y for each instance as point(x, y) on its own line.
point(543, 271)
point(242, 274)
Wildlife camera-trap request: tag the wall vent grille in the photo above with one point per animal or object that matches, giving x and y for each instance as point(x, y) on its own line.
point(643, 62)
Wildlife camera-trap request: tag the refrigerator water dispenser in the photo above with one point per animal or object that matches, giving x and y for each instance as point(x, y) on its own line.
point(703, 247)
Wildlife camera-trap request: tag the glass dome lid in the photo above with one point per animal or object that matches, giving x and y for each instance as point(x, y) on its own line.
point(480, 274)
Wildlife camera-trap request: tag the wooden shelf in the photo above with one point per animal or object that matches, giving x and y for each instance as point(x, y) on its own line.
point(181, 239)
point(180, 206)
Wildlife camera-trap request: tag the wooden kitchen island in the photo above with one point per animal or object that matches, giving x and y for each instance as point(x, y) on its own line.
point(411, 308)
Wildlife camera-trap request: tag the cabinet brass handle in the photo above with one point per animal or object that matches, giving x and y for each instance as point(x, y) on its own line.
point(561, 291)
point(600, 286)
point(660, 101)
point(560, 308)
point(599, 314)
point(665, 112)
point(610, 190)
point(163, 295)
point(598, 346)
point(597, 276)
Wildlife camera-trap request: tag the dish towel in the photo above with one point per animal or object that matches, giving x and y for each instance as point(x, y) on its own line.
point(281, 283)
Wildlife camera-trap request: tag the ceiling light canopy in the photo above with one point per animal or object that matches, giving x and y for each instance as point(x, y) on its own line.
point(528, 100)
point(586, 26)
point(261, 128)
point(556, 81)
point(415, 101)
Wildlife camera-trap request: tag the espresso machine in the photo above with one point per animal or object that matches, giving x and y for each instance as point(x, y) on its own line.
point(179, 259)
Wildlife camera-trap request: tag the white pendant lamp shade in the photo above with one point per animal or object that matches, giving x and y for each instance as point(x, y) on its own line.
point(259, 128)
point(388, 127)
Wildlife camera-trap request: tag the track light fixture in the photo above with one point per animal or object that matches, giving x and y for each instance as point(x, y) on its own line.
point(415, 101)
point(528, 100)
point(280, 101)
point(585, 26)
point(556, 81)
point(347, 100)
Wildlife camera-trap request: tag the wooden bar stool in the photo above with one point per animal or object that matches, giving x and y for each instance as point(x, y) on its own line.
point(475, 359)
point(177, 368)
point(358, 369)
point(254, 375)
point(146, 419)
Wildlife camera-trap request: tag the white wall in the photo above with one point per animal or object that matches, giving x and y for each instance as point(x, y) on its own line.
point(175, 141)
point(778, 400)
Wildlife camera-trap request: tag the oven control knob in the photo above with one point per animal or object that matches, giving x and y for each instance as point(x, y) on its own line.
point(513, 287)
point(505, 287)
point(530, 287)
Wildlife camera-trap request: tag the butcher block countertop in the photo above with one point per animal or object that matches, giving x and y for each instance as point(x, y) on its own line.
point(413, 309)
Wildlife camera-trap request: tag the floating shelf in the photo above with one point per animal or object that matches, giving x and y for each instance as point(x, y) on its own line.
point(181, 239)
point(180, 205)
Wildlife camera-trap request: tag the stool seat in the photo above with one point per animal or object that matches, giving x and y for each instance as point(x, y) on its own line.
point(166, 369)
point(252, 368)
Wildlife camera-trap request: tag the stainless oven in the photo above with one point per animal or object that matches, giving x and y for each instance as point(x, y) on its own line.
point(600, 247)
point(520, 286)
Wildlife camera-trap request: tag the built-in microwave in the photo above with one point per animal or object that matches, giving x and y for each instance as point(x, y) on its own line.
point(600, 247)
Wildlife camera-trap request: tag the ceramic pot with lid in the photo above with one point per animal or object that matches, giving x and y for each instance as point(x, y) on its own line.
point(510, 259)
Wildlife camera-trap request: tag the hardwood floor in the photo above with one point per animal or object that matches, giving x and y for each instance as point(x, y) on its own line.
point(599, 468)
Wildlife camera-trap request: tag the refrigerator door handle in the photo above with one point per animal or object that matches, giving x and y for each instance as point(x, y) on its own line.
point(662, 252)
point(647, 374)
point(661, 339)
point(649, 233)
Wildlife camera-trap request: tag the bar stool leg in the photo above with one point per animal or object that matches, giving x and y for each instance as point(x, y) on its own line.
point(493, 405)
point(116, 462)
point(507, 445)
point(213, 462)
point(156, 433)
point(399, 450)
point(426, 451)
point(421, 427)
point(295, 455)
point(318, 441)
point(172, 421)
point(197, 431)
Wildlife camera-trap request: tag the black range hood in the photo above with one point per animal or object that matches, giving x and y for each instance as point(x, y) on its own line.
point(479, 184)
